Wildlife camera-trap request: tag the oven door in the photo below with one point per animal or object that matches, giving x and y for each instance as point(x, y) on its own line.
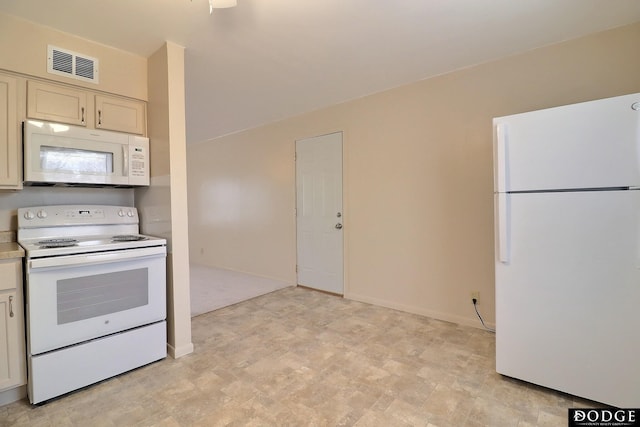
point(75, 298)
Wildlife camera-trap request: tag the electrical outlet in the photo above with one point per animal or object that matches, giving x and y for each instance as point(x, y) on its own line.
point(475, 295)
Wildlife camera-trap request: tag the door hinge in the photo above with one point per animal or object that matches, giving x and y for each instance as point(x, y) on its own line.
point(296, 268)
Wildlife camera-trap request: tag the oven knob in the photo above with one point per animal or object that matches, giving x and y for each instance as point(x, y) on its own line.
point(120, 213)
point(29, 215)
point(42, 214)
point(130, 213)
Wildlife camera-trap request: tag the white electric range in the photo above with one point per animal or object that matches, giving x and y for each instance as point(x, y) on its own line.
point(95, 295)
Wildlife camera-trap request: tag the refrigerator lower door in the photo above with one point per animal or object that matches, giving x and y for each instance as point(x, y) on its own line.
point(568, 296)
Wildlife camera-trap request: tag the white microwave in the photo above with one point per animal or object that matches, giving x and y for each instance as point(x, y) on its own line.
point(60, 154)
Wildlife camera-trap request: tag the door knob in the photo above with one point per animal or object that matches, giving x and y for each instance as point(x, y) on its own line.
point(338, 226)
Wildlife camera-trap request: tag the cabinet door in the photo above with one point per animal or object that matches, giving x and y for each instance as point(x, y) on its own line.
point(10, 164)
point(123, 115)
point(56, 103)
point(12, 347)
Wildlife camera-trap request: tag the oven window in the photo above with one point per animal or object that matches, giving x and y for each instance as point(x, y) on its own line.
point(82, 298)
point(61, 159)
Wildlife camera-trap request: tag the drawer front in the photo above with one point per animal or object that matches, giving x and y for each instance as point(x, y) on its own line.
point(10, 271)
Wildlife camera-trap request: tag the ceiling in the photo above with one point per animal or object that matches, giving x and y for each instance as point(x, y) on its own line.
point(266, 60)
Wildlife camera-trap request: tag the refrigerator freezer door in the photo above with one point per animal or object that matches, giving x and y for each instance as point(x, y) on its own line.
point(567, 299)
point(588, 145)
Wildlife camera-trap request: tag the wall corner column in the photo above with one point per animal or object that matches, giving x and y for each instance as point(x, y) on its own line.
point(163, 205)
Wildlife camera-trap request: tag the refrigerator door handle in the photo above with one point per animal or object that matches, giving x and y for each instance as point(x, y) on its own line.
point(503, 226)
point(501, 157)
point(635, 190)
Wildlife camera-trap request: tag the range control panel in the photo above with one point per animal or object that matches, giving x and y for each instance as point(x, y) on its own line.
point(51, 216)
point(84, 213)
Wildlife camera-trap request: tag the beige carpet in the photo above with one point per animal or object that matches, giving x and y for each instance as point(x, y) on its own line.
point(214, 288)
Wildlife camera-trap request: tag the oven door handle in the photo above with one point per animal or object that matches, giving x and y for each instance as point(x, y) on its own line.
point(99, 258)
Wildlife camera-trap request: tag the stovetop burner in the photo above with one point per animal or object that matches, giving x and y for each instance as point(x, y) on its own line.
point(128, 238)
point(57, 243)
point(68, 230)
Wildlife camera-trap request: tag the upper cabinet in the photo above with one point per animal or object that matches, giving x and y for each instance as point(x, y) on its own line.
point(56, 103)
point(10, 153)
point(82, 107)
point(120, 114)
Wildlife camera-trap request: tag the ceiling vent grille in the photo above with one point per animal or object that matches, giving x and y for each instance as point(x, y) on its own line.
point(71, 64)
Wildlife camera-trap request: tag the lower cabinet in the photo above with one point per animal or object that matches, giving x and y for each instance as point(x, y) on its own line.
point(12, 338)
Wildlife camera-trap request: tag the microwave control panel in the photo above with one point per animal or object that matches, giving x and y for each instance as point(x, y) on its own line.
point(138, 161)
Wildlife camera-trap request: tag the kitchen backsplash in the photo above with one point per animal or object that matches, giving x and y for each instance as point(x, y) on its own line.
point(7, 236)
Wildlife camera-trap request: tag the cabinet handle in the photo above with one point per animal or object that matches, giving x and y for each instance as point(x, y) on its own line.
point(99, 117)
point(82, 118)
point(11, 306)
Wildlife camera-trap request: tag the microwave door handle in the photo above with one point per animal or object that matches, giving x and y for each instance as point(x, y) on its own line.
point(125, 160)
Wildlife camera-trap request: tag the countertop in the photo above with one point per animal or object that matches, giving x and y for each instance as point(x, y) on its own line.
point(8, 246)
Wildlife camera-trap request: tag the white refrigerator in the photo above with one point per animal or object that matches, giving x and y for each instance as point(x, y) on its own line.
point(567, 226)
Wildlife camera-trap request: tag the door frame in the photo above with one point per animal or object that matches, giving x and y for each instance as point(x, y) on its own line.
point(345, 210)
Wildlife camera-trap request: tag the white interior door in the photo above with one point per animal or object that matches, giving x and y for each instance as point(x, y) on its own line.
point(319, 212)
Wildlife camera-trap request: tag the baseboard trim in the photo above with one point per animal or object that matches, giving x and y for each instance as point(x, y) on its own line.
point(262, 276)
point(466, 321)
point(13, 395)
point(177, 352)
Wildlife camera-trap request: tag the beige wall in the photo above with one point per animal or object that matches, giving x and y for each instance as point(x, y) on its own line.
point(417, 175)
point(240, 211)
point(23, 49)
point(163, 206)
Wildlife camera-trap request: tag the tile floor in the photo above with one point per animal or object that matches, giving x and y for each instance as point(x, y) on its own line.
point(296, 357)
